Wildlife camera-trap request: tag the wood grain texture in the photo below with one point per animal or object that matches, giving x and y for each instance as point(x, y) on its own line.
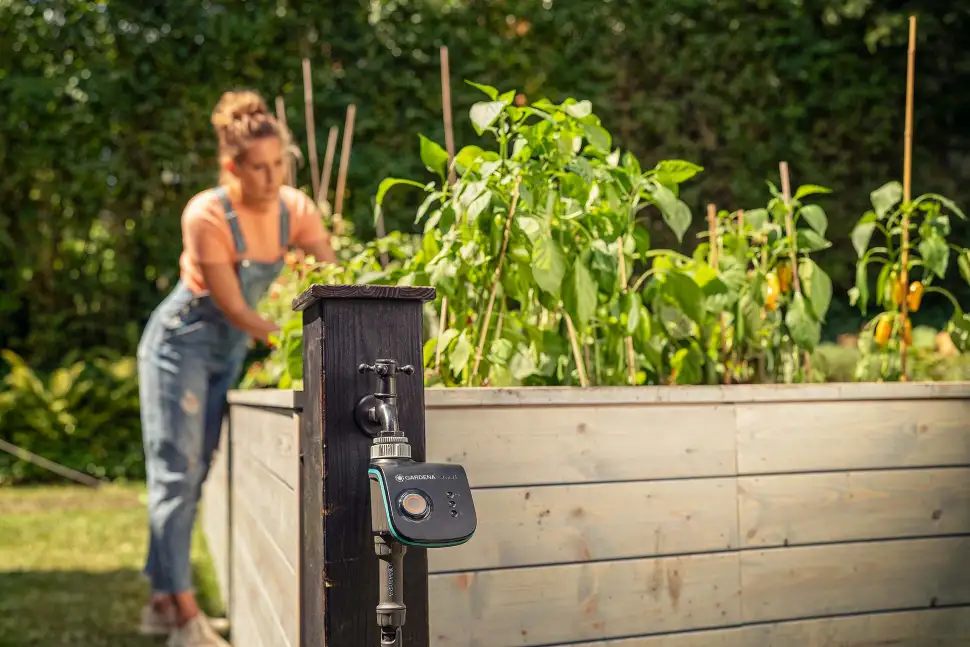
point(563, 524)
point(369, 329)
point(273, 504)
point(271, 437)
point(791, 583)
point(535, 445)
point(852, 435)
point(310, 493)
point(794, 509)
point(317, 292)
point(273, 580)
point(924, 628)
point(477, 397)
point(214, 512)
point(545, 605)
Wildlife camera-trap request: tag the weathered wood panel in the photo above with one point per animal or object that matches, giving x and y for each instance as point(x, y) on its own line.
point(814, 436)
point(790, 583)
point(796, 509)
point(580, 523)
point(265, 527)
point(214, 514)
point(582, 444)
point(924, 628)
point(544, 605)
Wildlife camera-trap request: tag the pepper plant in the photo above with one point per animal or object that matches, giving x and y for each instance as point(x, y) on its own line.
point(526, 248)
point(928, 254)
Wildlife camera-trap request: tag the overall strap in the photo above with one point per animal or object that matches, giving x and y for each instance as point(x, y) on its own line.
point(284, 224)
point(233, 221)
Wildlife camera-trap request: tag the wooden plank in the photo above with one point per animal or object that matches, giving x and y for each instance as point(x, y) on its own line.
point(790, 583)
point(214, 512)
point(815, 436)
point(273, 504)
point(363, 329)
point(924, 628)
point(796, 509)
point(250, 618)
point(244, 631)
point(478, 397)
point(275, 580)
point(535, 445)
point(270, 436)
point(310, 491)
point(273, 398)
point(545, 605)
point(561, 524)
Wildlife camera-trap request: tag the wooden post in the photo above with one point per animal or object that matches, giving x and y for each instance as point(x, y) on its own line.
point(343, 327)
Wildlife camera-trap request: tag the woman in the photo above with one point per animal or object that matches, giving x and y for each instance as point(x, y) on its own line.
point(192, 350)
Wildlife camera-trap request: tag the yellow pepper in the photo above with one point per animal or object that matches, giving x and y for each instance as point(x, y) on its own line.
point(915, 296)
point(883, 328)
point(784, 277)
point(771, 294)
point(897, 288)
point(907, 332)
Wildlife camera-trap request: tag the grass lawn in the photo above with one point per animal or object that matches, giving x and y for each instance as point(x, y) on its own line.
point(70, 567)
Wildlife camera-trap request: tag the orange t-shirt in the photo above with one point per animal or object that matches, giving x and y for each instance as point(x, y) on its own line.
point(207, 238)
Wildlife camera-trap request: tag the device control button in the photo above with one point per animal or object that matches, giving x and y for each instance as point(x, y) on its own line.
point(415, 505)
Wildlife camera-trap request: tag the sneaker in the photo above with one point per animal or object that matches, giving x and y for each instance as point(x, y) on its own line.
point(197, 632)
point(155, 623)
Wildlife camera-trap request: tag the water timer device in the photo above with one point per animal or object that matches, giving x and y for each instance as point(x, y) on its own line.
point(425, 505)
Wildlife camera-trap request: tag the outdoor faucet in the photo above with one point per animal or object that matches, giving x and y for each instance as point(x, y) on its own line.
point(384, 412)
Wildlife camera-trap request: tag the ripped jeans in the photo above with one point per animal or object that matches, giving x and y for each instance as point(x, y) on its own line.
point(189, 357)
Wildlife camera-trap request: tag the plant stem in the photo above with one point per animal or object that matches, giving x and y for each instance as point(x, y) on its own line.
point(495, 278)
point(907, 184)
point(790, 227)
point(575, 344)
point(627, 340)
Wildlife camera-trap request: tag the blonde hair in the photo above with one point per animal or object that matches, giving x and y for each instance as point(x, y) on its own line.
point(240, 118)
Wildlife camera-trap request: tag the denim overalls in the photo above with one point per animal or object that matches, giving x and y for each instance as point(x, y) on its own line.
point(189, 356)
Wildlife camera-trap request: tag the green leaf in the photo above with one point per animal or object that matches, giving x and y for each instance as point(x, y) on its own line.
point(522, 364)
point(688, 364)
point(862, 233)
point(675, 212)
point(809, 241)
point(484, 113)
point(548, 265)
point(817, 285)
point(750, 319)
point(489, 91)
point(632, 304)
point(946, 202)
point(579, 297)
point(756, 218)
point(460, 354)
point(466, 158)
point(676, 171)
point(963, 261)
point(935, 253)
point(434, 157)
point(815, 218)
point(687, 294)
point(861, 286)
point(389, 183)
point(885, 197)
point(641, 238)
point(805, 330)
point(579, 110)
point(810, 189)
point(598, 137)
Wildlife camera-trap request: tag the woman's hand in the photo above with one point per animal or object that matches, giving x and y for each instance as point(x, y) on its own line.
point(224, 288)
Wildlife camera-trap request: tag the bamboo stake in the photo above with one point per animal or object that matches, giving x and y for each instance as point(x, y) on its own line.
point(713, 260)
point(495, 277)
point(441, 331)
point(281, 118)
point(57, 468)
point(311, 132)
point(328, 156)
point(338, 210)
point(627, 340)
point(583, 381)
point(790, 228)
point(907, 184)
point(446, 111)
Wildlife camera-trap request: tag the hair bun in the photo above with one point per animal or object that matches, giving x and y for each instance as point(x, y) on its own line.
point(236, 106)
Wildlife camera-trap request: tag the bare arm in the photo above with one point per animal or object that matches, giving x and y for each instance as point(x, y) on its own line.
point(224, 288)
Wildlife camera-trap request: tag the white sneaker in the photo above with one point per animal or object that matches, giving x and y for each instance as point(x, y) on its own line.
point(154, 623)
point(197, 632)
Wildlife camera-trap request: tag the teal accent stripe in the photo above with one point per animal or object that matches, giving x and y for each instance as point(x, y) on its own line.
point(387, 511)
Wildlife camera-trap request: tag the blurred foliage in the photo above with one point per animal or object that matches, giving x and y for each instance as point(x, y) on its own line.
point(84, 415)
point(105, 129)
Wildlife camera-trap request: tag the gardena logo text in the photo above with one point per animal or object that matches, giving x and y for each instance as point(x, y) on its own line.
point(401, 478)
